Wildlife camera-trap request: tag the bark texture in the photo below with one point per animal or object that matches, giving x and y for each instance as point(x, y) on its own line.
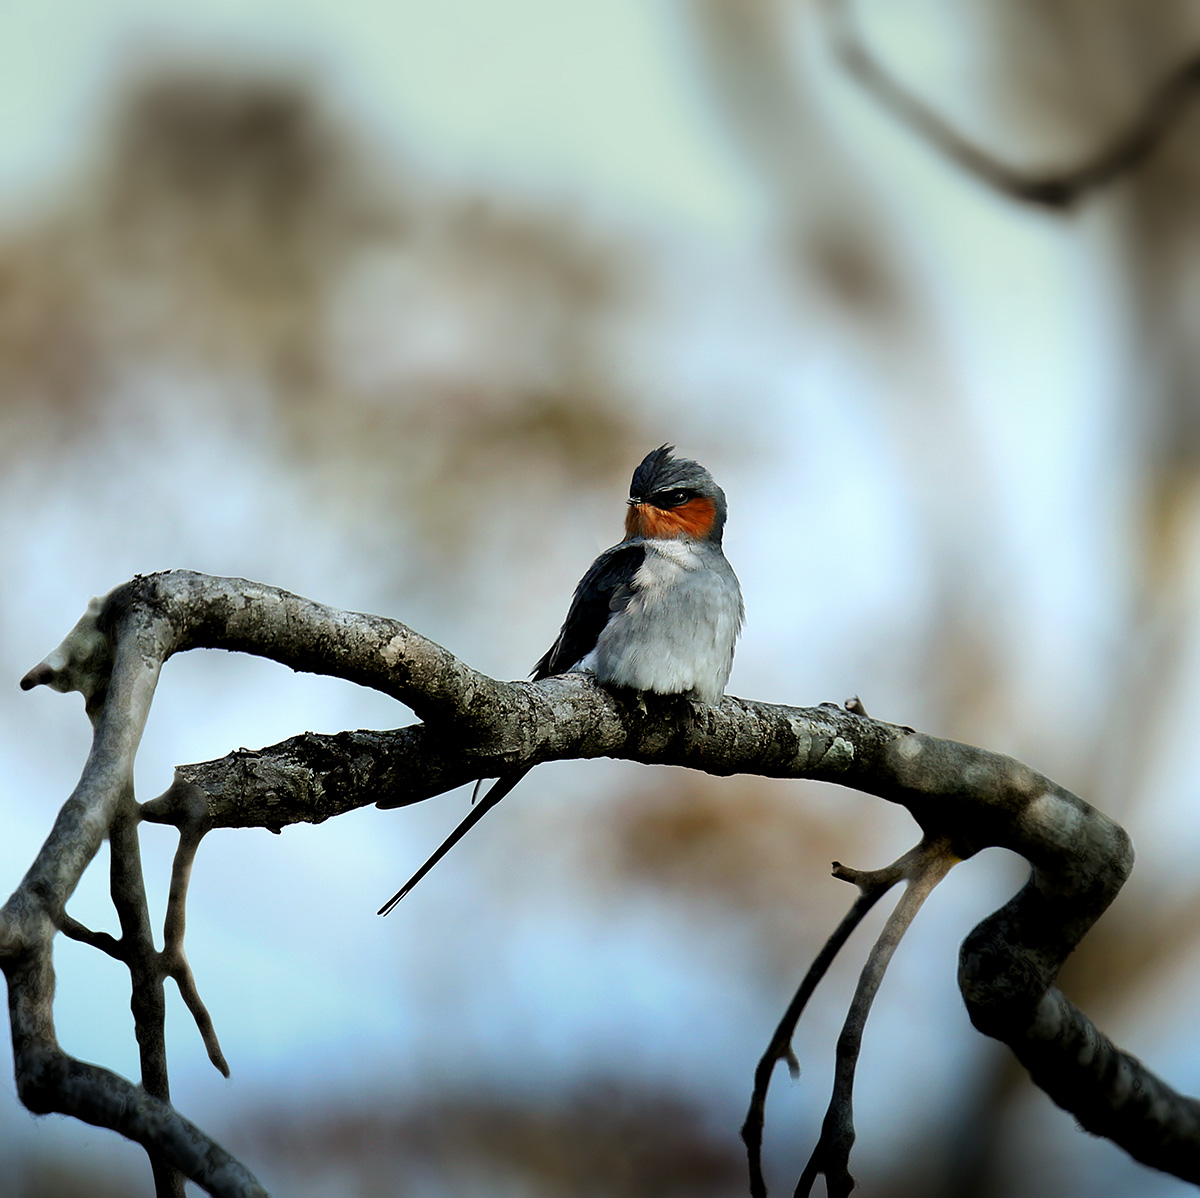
point(964, 798)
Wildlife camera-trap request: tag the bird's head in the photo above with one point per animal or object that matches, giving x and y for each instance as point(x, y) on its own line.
point(674, 497)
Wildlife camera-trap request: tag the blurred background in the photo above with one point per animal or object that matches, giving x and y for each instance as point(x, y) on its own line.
point(382, 303)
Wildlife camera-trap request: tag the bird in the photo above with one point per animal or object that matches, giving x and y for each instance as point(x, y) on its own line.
point(660, 611)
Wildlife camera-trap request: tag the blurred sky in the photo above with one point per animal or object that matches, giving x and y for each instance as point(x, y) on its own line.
point(930, 488)
point(467, 85)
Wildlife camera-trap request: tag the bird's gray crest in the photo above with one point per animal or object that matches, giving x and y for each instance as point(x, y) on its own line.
point(661, 471)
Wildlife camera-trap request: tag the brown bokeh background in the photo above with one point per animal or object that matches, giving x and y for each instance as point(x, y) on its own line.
point(262, 313)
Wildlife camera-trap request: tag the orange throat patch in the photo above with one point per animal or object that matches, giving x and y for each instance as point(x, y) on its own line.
point(692, 519)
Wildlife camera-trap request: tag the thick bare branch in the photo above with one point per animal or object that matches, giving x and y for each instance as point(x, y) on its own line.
point(969, 796)
point(311, 778)
point(1112, 1094)
point(49, 1080)
point(113, 656)
point(168, 613)
point(964, 797)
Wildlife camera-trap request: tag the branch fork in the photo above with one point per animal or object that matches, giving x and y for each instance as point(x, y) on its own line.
point(963, 798)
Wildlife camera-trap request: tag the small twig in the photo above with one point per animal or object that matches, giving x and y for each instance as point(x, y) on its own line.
point(74, 930)
point(1060, 190)
point(82, 661)
point(873, 885)
point(193, 825)
point(204, 1024)
point(930, 863)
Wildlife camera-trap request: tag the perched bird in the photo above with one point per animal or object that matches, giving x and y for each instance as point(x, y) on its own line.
point(659, 612)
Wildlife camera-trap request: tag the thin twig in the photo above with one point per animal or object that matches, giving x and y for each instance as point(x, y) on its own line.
point(873, 885)
point(175, 962)
point(106, 943)
point(933, 862)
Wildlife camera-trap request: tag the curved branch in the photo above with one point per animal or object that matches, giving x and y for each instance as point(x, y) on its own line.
point(1160, 114)
point(50, 1081)
point(965, 797)
point(1010, 997)
point(113, 656)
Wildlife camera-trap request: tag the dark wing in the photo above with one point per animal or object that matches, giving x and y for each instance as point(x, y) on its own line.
point(604, 589)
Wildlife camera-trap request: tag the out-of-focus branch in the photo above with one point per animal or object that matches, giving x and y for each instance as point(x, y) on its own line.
point(1061, 190)
point(102, 941)
point(963, 797)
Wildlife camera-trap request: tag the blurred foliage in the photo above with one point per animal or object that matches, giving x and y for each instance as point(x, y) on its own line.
point(730, 842)
point(746, 849)
point(1055, 83)
point(602, 1139)
point(415, 343)
point(829, 237)
point(43, 1177)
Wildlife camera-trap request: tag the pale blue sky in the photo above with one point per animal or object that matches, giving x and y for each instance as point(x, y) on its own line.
point(592, 97)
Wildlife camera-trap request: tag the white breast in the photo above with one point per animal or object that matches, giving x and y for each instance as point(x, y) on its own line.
point(678, 631)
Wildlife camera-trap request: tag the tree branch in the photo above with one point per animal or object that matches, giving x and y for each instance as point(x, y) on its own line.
point(929, 864)
point(173, 960)
point(872, 885)
point(102, 941)
point(963, 797)
point(147, 1000)
point(1159, 115)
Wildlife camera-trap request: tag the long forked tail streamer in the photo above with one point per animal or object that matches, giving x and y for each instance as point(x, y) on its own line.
point(498, 791)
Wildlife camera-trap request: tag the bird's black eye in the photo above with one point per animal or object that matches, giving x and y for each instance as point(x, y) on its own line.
point(673, 498)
